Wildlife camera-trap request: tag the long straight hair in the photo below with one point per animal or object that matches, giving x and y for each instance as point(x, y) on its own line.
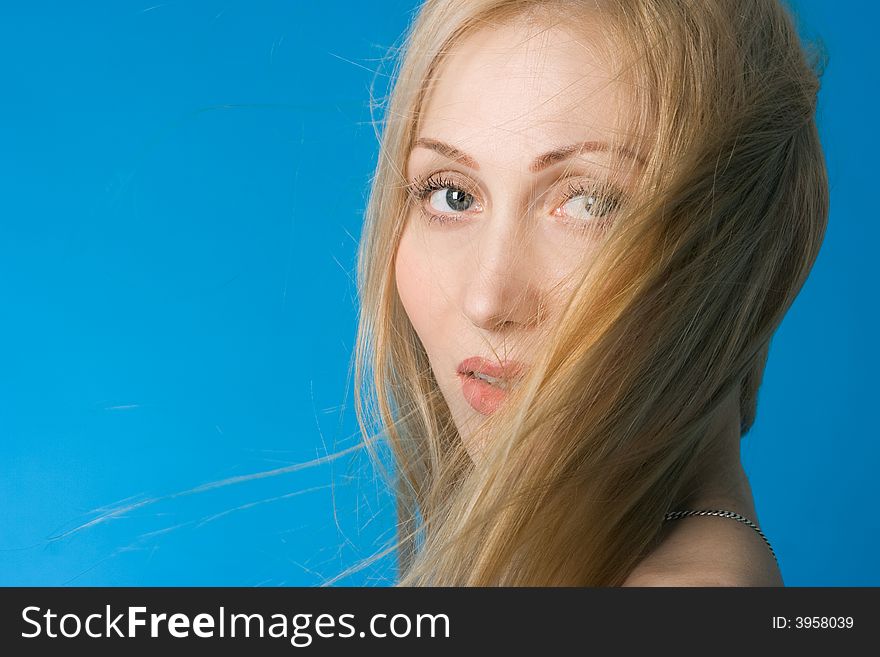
point(674, 311)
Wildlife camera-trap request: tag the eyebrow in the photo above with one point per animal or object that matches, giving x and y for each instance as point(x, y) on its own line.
point(539, 163)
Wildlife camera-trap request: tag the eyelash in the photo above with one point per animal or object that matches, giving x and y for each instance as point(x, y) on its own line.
point(420, 189)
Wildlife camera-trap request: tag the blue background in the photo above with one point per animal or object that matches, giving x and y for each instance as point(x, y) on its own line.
point(182, 192)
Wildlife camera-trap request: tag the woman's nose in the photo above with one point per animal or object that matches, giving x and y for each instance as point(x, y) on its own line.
point(502, 288)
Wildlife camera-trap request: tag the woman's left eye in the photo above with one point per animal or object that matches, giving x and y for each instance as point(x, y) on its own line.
point(589, 205)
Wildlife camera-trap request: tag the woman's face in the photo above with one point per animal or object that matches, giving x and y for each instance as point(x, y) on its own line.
point(515, 173)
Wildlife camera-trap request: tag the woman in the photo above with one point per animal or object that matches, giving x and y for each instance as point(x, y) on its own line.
point(587, 221)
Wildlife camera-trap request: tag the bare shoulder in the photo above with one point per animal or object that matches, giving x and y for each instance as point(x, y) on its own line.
point(699, 575)
point(707, 552)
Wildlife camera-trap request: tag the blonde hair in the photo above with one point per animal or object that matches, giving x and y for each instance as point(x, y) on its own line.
point(675, 311)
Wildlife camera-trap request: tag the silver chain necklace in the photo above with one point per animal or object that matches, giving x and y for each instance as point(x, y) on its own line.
point(674, 515)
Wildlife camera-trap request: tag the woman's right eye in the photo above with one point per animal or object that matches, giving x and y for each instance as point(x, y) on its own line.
point(455, 200)
point(443, 200)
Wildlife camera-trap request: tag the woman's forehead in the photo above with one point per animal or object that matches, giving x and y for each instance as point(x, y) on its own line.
point(535, 87)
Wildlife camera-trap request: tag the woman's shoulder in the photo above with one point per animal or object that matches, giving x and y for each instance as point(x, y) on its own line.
point(701, 575)
point(707, 551)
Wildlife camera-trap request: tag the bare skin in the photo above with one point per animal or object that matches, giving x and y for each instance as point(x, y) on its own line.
point(470, 286)
point(707, 550)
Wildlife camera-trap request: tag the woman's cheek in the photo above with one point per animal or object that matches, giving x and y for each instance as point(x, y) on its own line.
point(413, 282)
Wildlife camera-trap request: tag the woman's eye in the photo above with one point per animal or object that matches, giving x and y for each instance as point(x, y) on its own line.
point(590, 205)
point(455, 200)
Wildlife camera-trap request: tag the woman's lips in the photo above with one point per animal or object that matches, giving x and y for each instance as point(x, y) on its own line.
point(482, 396)
point(485, 397)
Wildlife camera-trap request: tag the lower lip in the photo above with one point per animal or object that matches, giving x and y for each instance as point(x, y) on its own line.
point(482, 396)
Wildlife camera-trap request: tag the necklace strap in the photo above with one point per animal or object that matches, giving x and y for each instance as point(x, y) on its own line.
point(674, 515)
